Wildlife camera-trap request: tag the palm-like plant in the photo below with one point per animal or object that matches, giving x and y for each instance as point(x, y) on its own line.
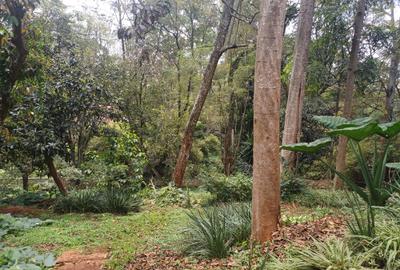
point(377, 192)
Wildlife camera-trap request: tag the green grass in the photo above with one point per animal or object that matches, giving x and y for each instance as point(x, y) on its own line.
point(123, 236)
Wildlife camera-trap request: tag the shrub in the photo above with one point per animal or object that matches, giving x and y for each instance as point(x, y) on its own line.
point(20, 197)
point(291, 185)
point(321, 197)
point(212, 232)
point(170, 195)
point(235, 188)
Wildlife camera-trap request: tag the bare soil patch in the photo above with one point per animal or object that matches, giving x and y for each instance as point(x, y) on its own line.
point(76, 260)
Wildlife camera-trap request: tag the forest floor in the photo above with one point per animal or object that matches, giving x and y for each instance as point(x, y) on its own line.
point(148, 240)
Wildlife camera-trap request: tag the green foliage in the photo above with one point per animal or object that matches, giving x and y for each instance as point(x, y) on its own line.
point(20, 197)
point(363, 223)
point(110, 200)
point(25, 259)
point(211, 232)
point(321, 197)
point(11, 225)
point(291, 185)
point(170, 195)
point(311, 147)
point(333, 254)
point(235, 188)
point(377, 192)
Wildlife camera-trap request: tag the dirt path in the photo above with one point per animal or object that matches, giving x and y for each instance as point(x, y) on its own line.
point(75, 260)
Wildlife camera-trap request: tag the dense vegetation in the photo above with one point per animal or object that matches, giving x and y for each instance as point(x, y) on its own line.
point(193, 134)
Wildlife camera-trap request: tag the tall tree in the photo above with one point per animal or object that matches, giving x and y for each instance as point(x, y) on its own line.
point(13, 54)
point(266, 158)
point(205, 87)
point(350, 85)
point(294, 107)
point(394, 66)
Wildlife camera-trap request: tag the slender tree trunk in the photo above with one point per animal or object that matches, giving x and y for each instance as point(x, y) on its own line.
point(205, 87)
point(266, 157)
point(294, 107)
point(229, 139)
point(25, 181)
point(393, 71)
point(349, 87)
point(56, 177)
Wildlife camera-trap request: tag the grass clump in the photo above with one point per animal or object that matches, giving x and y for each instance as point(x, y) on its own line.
point(111, 200)
point(334, 254)
point(211, 232)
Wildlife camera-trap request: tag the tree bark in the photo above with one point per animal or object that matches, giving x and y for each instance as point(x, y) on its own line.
point(294, 107)
point(25, 181)
point(393, 71)
point(266, 156)
point(205, 87)
point(349, 87)
point(56, 177)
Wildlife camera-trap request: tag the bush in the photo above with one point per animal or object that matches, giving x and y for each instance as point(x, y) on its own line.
point(321, 197)
point(20, 197)
point(291, 185)
point(212, 232)
point(236, 188)
point(111, 200)
point(170, 195)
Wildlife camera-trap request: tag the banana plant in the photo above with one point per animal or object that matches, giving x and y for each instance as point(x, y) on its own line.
point(376, 192)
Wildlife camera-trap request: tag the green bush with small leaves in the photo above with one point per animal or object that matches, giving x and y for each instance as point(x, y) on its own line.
point(236, 188)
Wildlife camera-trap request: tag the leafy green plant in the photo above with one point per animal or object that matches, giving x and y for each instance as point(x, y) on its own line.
point(377, 192)
point(207, 234)
point(112, 200)
point(20, 197)
point(170, 195)
point(322, 198)
point(121, 201)
point(333, 254)
point(10, 224)
point(363, 223)
point(212, 232)
point(235, 188)
point(291, 185)
point(25, 258)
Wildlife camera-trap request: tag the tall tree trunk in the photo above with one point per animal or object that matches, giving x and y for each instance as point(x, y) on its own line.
point(394, 69)
point(56, 177)
point(25, 181)
point(266, 157)
point(205, 87)
point(349, 87)
point(294, 107)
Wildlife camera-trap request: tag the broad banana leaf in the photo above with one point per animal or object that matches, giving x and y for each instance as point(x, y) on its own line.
point(395, 166)
point(311, 147)
point(357, 133)
point(389, 130)
point(330, 121)
point(338, 122)
point(357, 122)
